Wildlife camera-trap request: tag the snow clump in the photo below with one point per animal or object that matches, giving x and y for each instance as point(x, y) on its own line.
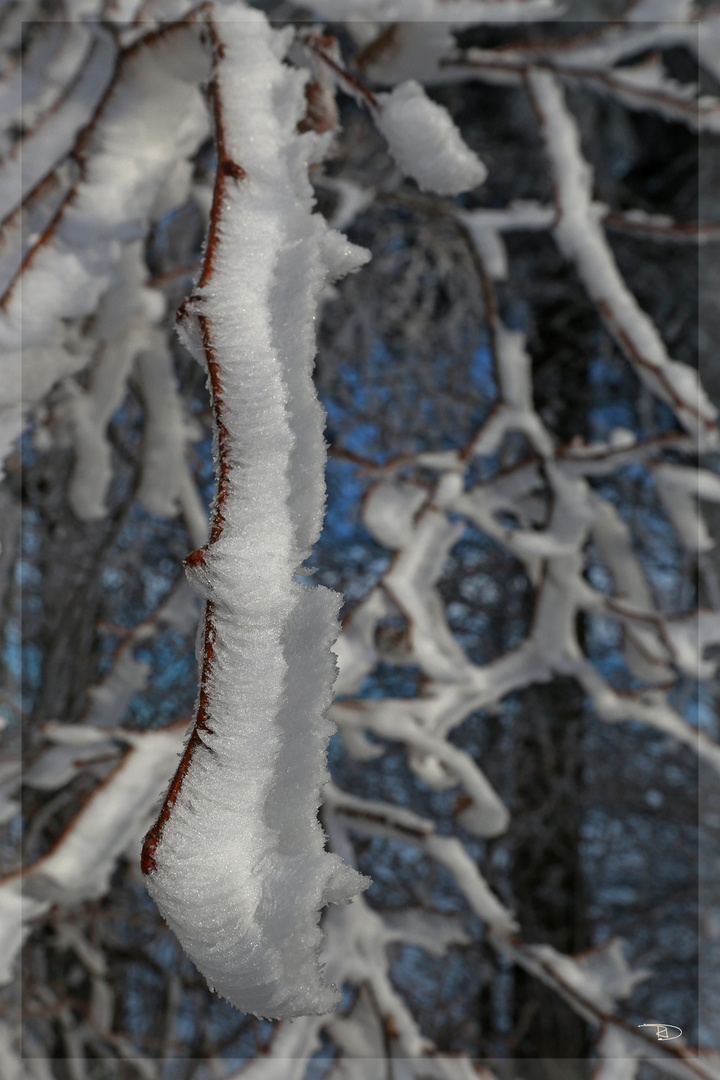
point(425, 142)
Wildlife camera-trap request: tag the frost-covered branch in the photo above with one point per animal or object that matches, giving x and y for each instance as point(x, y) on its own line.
point(254, 761)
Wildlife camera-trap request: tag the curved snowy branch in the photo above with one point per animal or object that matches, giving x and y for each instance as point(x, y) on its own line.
point(254, 764)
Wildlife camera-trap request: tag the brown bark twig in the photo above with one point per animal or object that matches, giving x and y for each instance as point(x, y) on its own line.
point(227, 169)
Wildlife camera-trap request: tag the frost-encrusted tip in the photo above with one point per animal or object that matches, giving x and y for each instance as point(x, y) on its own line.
point(425, 142)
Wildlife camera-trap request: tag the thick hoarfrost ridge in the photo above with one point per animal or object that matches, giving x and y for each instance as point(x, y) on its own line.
point(237, 862)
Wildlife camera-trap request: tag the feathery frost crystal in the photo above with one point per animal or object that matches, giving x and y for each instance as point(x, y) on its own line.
point(240, 870)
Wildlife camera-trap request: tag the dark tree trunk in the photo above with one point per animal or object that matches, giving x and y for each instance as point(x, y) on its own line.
point(547, 877)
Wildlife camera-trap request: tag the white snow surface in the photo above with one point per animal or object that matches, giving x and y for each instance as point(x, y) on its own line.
point(242, 872)
point(425, 142)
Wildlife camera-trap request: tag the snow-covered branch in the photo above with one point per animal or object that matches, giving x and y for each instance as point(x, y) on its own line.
point(247, 914)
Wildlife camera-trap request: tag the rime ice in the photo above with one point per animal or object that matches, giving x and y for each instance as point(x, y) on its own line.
point(241, 868)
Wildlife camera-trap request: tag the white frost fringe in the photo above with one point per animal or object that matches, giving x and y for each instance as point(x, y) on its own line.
point(241, 868)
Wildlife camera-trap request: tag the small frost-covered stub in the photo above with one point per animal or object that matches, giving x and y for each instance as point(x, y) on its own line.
point(237, 861)
point(425, 142)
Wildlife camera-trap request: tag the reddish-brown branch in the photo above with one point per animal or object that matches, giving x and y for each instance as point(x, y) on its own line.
point(45, 237)
point(693, 109)
point(218, 405)
point(377, 817)
point(202, 724)
point(319, 44)
point(189, 270)
point(36, 193)
point(514, 60)
point(682, 231)
point(227, 169)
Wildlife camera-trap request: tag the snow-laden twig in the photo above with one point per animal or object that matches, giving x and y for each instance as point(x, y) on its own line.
point(52, 136)
point(581, 239)
point(27, 222)
point(236, 860)
point(81, 862)
point(421, 136)
point(644, 86)
point(151, 115)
